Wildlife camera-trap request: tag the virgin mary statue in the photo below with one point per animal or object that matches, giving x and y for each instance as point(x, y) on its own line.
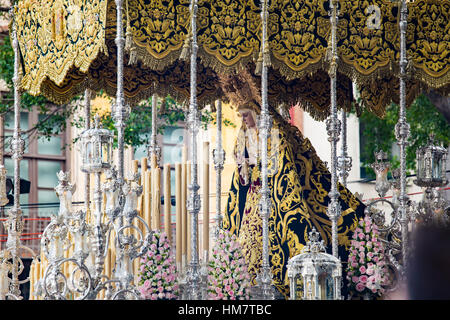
point(299, 182)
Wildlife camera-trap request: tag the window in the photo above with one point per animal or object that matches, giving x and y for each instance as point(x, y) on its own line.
point(42, 159)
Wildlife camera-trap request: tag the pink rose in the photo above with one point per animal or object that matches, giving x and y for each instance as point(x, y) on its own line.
point(362, 269)
point(355, 279)
point(360, 287)
point(363, 278)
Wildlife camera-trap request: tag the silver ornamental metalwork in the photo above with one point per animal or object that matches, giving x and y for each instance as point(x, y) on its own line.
point(92, 241)
point(431, 175)
point(264, 289)
point(219, 160)
point(381, 167)
point(402, 132)
point(194, 284)
point(431, 165)
point(154, 148)
point(344, 162)
point(333, 129)
point(97, 144)
point(314, 272)
point(390, 229)
point(11, 264)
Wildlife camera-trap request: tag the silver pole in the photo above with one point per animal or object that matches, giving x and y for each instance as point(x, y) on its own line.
point(120, 116)
point(219, 159)
point(265, 124)
point(194, 288)
point(154, 149)
point(87, 182)
point(402, 131)
point(344, 162)
point(333, 128)
point(120, 113)
point(15, 218)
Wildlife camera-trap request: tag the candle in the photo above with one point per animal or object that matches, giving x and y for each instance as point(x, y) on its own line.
point(156, 195)
point(147, 199)
point(183, 206)
point(206, 200)
point(189, 216)
point(167, 202)
point(179, 226)
point(4, 279)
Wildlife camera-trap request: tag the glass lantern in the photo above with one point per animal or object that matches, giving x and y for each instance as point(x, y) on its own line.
point(314, 272)
point(431, 165)
point(96, 151)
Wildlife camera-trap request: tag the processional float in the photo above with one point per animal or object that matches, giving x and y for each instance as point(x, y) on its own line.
point(291, 50)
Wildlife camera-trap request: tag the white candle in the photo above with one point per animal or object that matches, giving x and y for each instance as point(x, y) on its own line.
point(4, 280)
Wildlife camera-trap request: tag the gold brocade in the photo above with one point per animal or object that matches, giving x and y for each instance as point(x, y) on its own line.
point(228, 33)
point(378, 94)
point(298, 183)
point(56, 36)
point(429, 49)
point(63, 40)
point(158, 35)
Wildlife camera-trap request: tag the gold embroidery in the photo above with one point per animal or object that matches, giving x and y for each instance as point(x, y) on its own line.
point(294, 210)
point(62, 39)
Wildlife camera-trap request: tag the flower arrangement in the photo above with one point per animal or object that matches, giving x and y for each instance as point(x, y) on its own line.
point(157, 277)
point(366, 270)
point(228, 277)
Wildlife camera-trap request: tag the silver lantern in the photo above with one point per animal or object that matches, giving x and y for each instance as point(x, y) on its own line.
point(431, 165)
point(431, 174)
point(96, 149)
point(314, 272)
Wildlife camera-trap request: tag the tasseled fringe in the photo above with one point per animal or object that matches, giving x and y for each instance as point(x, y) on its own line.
point(259, 62)
point(129, 43)
point(263, 57)
point(162, 109)
point(185, 52)
point(133, 56)
point(266, 55)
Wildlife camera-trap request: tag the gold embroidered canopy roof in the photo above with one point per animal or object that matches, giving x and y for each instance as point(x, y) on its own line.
point(67, 45)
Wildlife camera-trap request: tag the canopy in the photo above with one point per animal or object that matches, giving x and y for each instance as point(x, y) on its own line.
point(67, 45)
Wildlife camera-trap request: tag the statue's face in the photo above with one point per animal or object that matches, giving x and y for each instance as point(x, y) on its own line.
point(247, 117)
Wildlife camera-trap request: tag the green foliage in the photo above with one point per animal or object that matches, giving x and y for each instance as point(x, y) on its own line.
point(7, 73)
point(379, 134)
point(54, 119)
point(138, 127)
